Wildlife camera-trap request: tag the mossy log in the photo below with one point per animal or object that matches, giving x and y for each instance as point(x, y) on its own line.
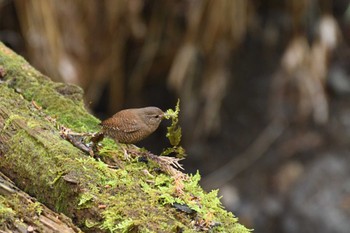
point(136, 197)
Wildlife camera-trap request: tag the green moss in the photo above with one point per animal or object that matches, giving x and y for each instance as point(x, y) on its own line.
point(36, 207)
point(84, 199)
point(174, 133)
point(90, 223)
point(6, 212)
point(109, 148)
point(14, 208)
point(140, 205)
point(56, 99)
point(116, 223)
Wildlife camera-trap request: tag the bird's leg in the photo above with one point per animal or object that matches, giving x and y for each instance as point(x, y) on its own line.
point(127, 157)
point(128, 150)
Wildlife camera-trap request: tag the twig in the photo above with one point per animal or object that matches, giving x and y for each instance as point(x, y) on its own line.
point(169, 165)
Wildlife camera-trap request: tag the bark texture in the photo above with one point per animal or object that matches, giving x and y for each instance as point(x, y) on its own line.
point(20, 212)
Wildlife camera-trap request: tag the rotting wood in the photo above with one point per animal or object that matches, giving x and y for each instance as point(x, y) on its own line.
point(21, 212)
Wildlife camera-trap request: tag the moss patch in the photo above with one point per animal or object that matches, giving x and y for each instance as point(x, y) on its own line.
point(56, 99)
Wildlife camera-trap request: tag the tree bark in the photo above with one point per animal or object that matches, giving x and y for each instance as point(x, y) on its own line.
point(136, 197)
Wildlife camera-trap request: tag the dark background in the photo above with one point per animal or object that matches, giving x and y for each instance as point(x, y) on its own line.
point(264, 88)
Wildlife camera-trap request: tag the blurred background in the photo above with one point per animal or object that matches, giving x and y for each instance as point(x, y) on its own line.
point(264, 88)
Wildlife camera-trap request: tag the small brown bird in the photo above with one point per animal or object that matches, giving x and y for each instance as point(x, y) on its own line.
point(132, 125)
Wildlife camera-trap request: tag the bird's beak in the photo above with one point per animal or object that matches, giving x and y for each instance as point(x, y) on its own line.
point(164, 115)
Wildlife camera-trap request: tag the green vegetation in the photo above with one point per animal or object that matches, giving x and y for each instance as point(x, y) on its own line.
point(174, 133)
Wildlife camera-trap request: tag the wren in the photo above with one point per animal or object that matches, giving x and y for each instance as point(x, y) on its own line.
point(132, 125)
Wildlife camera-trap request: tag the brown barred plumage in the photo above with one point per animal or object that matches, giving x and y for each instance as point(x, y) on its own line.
point(132, 125)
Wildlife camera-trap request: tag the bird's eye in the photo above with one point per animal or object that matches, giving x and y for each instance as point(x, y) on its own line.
point(157, 116)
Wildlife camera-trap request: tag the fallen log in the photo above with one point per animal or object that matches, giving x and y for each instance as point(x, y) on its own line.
point(133, 197)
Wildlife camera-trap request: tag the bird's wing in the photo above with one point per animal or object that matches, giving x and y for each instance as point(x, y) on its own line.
point(125, 125)
point(130, 126)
